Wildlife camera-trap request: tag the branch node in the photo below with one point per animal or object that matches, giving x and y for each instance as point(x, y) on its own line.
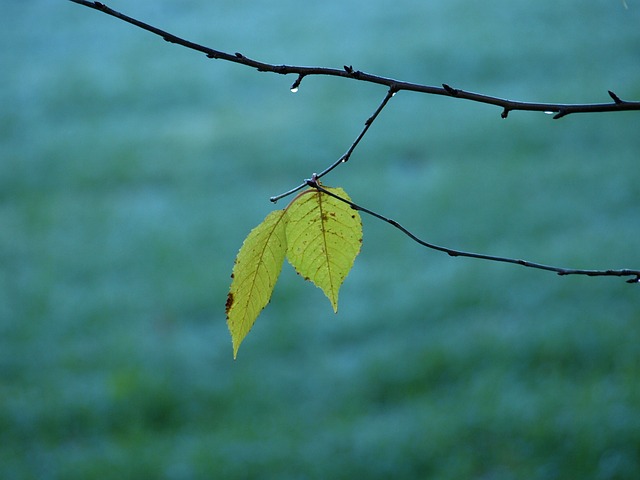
point(615, 97)
point(637, 277)
point(313, 181)
point(505, 112)
point(351, 72)
point(560, 114)
point(238, 55)
point(100, 5)
point(450, 90)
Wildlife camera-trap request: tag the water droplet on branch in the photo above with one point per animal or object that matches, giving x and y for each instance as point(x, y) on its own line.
point(296, 85)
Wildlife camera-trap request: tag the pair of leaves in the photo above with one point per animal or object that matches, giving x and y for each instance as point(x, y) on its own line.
point(319, 235)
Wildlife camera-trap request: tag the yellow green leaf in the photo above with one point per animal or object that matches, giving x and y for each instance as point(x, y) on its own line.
point(255, 273)
point(324, 236)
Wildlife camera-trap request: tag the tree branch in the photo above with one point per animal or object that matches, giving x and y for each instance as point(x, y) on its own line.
point(558, 109)
point(635, 274)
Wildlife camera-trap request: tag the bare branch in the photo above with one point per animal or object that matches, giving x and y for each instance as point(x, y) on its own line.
point(347, 155)
point(634, 274)
point(559, 109)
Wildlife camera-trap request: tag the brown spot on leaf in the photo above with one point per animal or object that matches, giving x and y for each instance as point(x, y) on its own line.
point(229, 303)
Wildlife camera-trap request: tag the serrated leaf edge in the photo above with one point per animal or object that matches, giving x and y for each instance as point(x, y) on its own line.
point(242, 330)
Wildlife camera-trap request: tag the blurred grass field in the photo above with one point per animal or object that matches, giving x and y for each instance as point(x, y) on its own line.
point(131, 170)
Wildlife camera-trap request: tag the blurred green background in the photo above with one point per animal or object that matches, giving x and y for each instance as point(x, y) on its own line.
point(132, 169)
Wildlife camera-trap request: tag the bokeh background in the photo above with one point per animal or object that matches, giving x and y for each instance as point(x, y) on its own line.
point(132, 169)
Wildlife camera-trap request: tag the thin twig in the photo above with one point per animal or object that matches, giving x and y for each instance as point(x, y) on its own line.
point(347, 155)
point(634, 274)
point(559, 109)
